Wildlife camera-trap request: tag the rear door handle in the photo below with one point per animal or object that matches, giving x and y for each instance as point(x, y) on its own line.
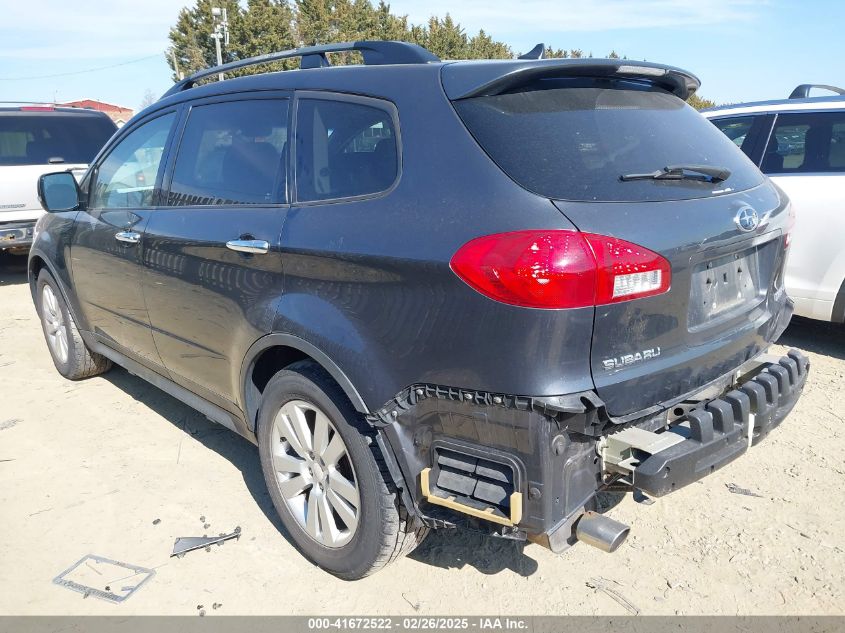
point(129, 237)
point(249, 246)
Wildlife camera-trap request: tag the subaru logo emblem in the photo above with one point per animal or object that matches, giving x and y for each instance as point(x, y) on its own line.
point(746, 219)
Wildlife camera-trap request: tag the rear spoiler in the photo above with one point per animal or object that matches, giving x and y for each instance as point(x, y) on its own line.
point(462, 80)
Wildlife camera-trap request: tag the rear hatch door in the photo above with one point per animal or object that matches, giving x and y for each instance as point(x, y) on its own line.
point(720, 310)
point(572, 139)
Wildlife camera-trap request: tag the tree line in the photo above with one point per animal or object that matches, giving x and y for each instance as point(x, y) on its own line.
point(265, 26)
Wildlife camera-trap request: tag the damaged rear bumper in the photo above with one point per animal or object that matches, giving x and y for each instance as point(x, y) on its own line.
point(725, 428)
point(16, 235)
point(520, 468)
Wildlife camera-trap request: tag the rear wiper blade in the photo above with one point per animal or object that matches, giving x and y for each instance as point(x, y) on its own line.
point(683, 172)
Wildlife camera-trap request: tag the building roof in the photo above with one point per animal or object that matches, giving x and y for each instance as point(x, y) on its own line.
point(93, 104)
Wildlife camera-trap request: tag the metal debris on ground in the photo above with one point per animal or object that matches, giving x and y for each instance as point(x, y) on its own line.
point(414, 605)
point(742, 491)
point(601, 584)
point(186, 544)
point(8, 424)
point(156, 521)
point(75, 577)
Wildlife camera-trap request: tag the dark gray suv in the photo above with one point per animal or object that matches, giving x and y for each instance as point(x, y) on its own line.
point(435, 294)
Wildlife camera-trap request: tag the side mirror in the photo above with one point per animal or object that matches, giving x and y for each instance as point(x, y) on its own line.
point(59, 192)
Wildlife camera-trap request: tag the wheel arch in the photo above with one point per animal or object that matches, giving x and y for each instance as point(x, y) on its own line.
point(272, 353)
point(838, 314)
point(38, 262)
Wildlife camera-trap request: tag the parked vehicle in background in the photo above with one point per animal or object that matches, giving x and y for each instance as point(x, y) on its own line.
point(799, 143)
point(434, 294)
point(34, 140)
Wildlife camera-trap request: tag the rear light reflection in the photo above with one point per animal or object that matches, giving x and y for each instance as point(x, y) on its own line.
point(560, 269)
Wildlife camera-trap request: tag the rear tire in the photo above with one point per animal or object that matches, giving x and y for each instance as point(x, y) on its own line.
point(313, 443)
point(71, 356)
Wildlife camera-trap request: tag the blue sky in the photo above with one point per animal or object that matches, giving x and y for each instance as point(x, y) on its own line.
point(741, 49)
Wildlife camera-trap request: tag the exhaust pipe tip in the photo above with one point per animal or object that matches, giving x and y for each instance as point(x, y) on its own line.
point(600, 531)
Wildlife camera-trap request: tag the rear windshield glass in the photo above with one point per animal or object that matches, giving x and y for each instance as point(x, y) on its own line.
point(39, 139)
point(573, 139)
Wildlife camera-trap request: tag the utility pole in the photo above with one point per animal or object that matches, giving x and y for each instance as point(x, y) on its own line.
point(179, 75)
point(221, 32)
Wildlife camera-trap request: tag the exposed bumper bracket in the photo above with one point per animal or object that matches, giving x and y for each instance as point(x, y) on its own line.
point(723, 429)
point(487, 514)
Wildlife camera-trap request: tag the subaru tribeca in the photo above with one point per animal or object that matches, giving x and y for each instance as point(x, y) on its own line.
point(435, 294)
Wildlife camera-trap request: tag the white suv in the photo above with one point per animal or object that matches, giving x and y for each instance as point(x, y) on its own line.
point(800, 143)
point(35, 140)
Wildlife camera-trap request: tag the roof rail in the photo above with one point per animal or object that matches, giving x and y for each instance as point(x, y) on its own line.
point(803, 91)
point(375, 52)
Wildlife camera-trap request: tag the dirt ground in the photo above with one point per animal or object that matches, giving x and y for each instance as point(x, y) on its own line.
point(114, 467)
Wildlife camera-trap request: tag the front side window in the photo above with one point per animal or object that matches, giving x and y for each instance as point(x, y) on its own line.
point(344, 149)
point(126, 179)
point(812, 142)
point(232, 153)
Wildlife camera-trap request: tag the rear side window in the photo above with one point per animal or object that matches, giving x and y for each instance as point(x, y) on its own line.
point(344, 149)
point(232, 153)
point(573, 139)
point(806, 143)
point(43, 138)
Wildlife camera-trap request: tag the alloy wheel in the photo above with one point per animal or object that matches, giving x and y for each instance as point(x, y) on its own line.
point(54, 324)
point(314, 473)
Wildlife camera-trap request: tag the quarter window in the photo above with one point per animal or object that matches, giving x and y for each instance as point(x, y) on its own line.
point(735, 129)
point(806, 143)
point(344, 149)
point(232, 153)
point(126, 179)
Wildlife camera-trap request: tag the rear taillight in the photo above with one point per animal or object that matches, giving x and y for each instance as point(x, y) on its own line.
point(627, 271)
point(560, 269)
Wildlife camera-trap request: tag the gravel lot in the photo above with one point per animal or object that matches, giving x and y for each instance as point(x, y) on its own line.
point(88, 467)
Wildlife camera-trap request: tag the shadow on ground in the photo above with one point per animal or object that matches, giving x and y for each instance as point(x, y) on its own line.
point(818, 337)
point(239, 451)
point(12, 269)
point(443, 548)
point(453, 549)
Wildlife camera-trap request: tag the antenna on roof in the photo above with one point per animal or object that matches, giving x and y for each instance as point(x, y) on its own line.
point(535, 53)
point(803, 91)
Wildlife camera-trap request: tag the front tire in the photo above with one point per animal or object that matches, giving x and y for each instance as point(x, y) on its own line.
point(71, 356)
point(326, 476)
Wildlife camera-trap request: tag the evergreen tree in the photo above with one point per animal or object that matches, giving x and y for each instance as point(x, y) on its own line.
point(389, 26)
point(191, 41)
point(699, 103)
point(267, 26)
point(482, 46)
point(446, 38)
